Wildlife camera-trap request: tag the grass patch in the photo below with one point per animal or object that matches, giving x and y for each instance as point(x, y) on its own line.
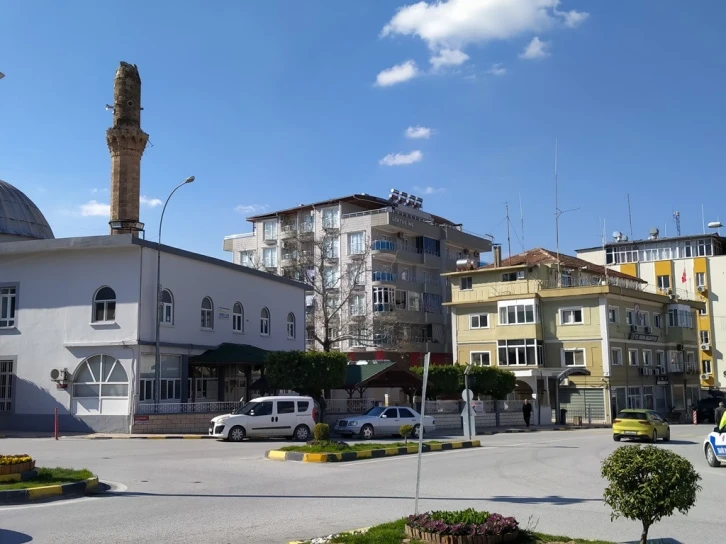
point(393, 533)
point(336, 447)
point(50, 476)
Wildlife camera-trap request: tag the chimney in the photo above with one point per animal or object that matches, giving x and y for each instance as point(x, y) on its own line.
point(497, 249)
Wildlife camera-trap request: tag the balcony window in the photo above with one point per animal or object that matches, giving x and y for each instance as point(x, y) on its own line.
point(401, 299)
point(270, 230)
point(356, 243)
point(705, 247)
point(520, 352)
point(269, 257)
point(513, 276)
point(414, 301)
point(358, 305)
point(432, 303)
point(331, 218)
point(680, 318)
point(517, 313)
point(383, 298)
point(664, 283)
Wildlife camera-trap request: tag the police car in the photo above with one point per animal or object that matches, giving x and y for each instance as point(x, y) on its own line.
point(715, 448)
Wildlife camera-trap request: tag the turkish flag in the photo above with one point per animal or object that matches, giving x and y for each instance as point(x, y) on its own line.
point(683, 277)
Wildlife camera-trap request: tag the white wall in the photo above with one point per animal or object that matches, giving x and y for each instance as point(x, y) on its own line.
point(716, 280)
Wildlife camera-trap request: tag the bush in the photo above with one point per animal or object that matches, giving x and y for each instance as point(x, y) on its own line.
point(648, 484)
point(15, 459)
point(405, 431)
point(462, 523)
point(321, 432)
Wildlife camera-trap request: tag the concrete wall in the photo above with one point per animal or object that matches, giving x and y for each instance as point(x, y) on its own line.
point(174, 424)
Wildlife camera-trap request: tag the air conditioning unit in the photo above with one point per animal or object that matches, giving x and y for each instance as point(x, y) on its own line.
point(59, 374)
point(679, 347)
point(705, 347)
point(648, 330)
point(705, 376)
point(633, 328)
point(701, 288)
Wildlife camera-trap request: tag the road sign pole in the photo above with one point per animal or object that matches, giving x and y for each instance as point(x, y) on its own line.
point(427, 360)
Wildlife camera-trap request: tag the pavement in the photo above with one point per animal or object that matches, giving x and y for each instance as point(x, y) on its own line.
point(190, 491)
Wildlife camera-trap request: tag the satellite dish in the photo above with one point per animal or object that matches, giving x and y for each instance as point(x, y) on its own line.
point(715, 225)
point(624, 238)
point(617, 235)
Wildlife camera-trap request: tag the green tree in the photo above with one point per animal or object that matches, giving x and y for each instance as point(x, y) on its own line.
point(306, 372)
point(648, 484)
point(483, 380)
point(405, 431)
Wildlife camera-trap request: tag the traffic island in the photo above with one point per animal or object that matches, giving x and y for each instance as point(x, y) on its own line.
point(43, 483)
point(331, 451)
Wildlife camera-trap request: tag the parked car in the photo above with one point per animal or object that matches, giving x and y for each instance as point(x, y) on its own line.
point(268, 417)
point(706, 409)
point(382, 421)
point(715, 448)
point(640, 424)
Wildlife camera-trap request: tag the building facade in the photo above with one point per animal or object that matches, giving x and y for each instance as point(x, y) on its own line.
point(683, 266)
point(373, 267)
point(541, 315)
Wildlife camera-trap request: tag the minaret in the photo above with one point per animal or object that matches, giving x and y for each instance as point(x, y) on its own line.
point(126, 142)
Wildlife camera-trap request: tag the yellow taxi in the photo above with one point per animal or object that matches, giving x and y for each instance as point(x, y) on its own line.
point(640, 425)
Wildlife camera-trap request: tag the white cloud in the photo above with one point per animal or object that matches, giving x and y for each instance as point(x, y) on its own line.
point(428, 190)
point(449, 57)
point(573, 18)
point(497, 70)
point(418, 132)
point(399, 159)
point(251, 208)
point(150, 202)
point(397, 74)
point(536, 49)
point(93, 208)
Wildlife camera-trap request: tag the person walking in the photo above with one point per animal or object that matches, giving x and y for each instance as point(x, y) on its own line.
point(720, 411)
point(527, 412)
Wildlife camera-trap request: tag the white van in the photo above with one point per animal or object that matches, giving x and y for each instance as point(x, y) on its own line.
point(268, 417)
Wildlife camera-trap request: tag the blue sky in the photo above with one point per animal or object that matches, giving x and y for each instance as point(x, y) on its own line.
point(271, 104)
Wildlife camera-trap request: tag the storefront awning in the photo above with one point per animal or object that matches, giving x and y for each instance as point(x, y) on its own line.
point(228, 353)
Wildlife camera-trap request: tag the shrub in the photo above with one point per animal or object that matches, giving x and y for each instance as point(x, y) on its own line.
point(648, 484)
point(15, 459)
point(406, 431)
point(464, 523)
point(321, 432)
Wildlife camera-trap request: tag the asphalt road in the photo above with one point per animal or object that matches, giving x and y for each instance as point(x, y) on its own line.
point(206, 491)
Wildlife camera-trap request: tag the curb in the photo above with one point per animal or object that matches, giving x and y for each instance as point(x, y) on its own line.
point(15, 496)
point(584, 427)
point(19, 476)
point(278, 455)
point(160, 437)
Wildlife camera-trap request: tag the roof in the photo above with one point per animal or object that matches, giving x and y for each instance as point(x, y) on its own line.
point(540, 255)
point(232, 353)
point(19, 216)
point(648, 241)
point(380, 374)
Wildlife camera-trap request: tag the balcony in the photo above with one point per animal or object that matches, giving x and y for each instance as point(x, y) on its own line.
point(305, 230)
point(331, 225)
point(383, 278)
point(383, 307)
point(691, 367)
point(288, 231)
point(289, 258)
point(383, 246)
point(676, 368)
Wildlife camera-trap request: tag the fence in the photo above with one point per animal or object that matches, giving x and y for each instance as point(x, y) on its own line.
point(187, 407)
point(581, 416)
point(350, 406)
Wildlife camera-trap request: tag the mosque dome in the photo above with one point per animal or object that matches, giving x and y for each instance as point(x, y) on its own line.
point(20, 218)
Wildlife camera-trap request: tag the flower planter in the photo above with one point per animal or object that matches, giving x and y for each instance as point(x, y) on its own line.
point(464, 539)
point(17, 467)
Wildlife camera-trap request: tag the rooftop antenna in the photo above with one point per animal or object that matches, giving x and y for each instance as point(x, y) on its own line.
point(521, 215)
point(605, 251)
point(677, 219)
point(509, 241)
point(630, 219)
point(558, 213)
point(703, 220)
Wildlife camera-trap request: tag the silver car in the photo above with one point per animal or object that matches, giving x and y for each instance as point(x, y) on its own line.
point(383, 420)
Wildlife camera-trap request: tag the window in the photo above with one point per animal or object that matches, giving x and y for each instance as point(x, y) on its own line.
point(703, 311)
point(260, 409)
point(573, 357)
point(634, 400)
point(571, 316)
point(404, 273)
point(355, 273)
point(302, 406)
point(658, 321)
point(479, 321)
point(613, 314)
point(432, 303)
point(466, 283)
point(332, 303)
point(207, 313)
point(405, 413)
point(391, 413)
point(647, 357)
point(517, 313)
point(680, 318)
point(7, 307)
point(104, 305)
point(7, 385)
point(704, 247)
point(100, 377)
point(383, 299)
point(414, 301)
point(616, 356)
point(330, 218)
point(358, 305)
point(707, 369)
point(285, 406)
point(520, 352)
point(332, 247)
point(643, 319)
point(331, 277)
point(401, 299)
point(664, 283)
point(633, 357)
point(247, 258)
point(649, 400)
point(660, 360)
point(480, 358)
point(513, 276)
point(238, 318)
point(291, 326)
point(700, 279)
point(265, 322)
point(630, 317)
point(270, 230)
point(358, 336)
point(167, 308)
point(687, 250)
point(269, 257)
point(705, 337)
point(356, 243)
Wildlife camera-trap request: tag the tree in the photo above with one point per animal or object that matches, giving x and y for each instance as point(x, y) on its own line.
point(647, 484)
point(306, 372)
point(483, 380)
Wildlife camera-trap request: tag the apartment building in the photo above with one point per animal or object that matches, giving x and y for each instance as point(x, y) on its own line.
point(691, 266)
point(373, 267)
point(592, 340)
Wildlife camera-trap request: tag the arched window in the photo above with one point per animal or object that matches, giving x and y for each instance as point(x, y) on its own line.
point(167, 308)
point(104, 305)
point(207, 313)
point(265, 322)
point(100, 386)
point(238, 318)
point(291, 326)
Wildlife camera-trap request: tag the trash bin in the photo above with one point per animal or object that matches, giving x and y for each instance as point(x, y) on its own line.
point(563, 416)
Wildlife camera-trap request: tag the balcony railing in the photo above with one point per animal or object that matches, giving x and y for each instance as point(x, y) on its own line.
point(383, 276)
point(383, 245)
point(676, 368)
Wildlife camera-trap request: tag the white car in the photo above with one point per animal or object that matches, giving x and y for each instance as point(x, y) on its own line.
point(383, 420)
point(715, 448)
point(268, 417)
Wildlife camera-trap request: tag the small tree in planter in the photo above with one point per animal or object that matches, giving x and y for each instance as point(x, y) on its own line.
point(321, 432)
point(648, 484)
point(406, 431)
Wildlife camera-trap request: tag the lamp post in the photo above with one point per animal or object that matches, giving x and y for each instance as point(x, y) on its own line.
point(157, 358)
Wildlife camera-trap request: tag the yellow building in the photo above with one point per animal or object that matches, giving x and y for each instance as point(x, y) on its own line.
point(592, 340)
point(683, 266)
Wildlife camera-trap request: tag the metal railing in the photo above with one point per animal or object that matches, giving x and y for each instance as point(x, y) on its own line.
point(383, 276)
point(350, 406)
point(186, 407)
point(383, 245)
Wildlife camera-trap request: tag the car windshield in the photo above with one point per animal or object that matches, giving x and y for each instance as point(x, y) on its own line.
point(246, 409)
point(375, 411)
point(632, 415)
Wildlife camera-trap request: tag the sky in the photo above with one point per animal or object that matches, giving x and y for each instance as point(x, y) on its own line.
point(276, 103)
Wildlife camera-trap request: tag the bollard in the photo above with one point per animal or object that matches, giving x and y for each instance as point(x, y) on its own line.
point(695, 417)
point(56, 424)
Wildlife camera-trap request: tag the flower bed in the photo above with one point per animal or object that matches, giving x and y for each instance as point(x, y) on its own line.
point(462, 527)
point(13, 464)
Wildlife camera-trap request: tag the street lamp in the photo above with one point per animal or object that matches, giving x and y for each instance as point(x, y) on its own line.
point(157, 370)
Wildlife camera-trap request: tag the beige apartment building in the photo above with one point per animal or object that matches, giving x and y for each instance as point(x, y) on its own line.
point(374, 268)
point(593, 341)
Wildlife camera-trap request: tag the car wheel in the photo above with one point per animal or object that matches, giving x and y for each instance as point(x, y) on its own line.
point(711, 457)
point(367, 432)
point(616, 438)
point(236, 434)
point(416, 430)
point(667, 437)
point(654, 438)
point(302, 433)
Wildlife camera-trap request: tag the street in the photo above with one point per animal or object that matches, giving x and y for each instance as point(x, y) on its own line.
point(206, 491)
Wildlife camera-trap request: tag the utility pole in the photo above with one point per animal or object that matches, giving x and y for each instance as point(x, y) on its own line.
point(558, 213)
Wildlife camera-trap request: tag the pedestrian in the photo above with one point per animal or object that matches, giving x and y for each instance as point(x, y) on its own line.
point(719, 413)
point(527, 412)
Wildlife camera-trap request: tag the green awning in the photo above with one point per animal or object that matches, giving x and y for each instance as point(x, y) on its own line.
point(383, 374)
point(228, 353)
